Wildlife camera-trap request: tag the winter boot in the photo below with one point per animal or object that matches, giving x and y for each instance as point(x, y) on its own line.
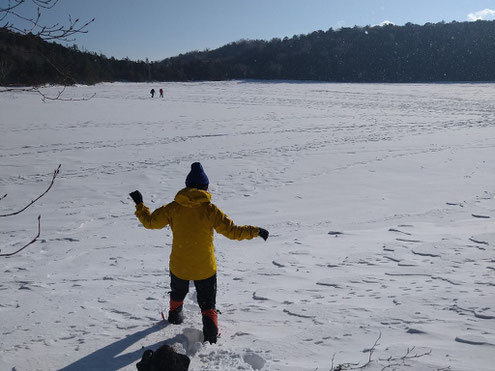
point(210, 325)
point(175, 315)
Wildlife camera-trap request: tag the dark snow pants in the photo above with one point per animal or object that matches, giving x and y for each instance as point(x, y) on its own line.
point(206, 291)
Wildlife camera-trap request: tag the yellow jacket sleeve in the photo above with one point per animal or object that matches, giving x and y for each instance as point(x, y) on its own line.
point(225, 226)
point(156, 220)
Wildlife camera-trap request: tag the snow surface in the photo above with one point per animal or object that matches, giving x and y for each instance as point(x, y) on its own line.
point(379, 200)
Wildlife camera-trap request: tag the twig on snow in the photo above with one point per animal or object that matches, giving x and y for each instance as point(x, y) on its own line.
point(400, 361)
point(356, 366)
point(333, 360)
point(33, 241)
point(390, 361)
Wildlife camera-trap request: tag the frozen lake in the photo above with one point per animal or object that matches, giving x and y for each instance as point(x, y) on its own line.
point(379, 199)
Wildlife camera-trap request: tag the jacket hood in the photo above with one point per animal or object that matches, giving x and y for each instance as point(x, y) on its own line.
point(192, 197)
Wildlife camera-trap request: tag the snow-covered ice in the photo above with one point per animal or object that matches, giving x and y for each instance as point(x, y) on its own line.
point(379, 199)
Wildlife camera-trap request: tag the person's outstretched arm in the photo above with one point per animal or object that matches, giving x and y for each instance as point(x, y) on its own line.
point(226, 227)
point(156, 220)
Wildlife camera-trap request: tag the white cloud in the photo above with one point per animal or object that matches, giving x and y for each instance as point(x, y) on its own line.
point(486, 14)
point(384, 23)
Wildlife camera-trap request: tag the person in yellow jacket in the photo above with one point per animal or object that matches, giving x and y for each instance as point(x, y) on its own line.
point(193, 218)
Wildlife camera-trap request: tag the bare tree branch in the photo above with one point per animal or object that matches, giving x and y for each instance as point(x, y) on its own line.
point(27, 21)
point(46, 32)
point(45, 97)
point(30, 243)
point(47, 4)
point(10, 7)
point(55, 173)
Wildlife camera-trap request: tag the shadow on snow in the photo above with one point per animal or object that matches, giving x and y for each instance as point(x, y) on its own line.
point(110, 358)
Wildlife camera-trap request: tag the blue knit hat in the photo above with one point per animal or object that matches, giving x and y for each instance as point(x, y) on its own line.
point(197, 177)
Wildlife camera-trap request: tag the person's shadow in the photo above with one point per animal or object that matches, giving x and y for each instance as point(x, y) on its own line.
point(110, 358)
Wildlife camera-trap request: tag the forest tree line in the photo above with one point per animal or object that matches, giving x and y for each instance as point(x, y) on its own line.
point(457, 51)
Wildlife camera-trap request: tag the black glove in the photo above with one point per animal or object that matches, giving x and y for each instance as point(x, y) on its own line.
point(263, 233)
point(136, 196)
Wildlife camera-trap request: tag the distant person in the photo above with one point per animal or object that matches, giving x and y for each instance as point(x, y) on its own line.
point(193, 217)
point(152, 92)
point(161, 93)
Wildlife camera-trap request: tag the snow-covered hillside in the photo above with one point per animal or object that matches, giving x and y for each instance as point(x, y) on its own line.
point(379, 200)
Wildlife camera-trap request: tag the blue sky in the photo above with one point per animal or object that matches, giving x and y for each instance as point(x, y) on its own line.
point(157, 29)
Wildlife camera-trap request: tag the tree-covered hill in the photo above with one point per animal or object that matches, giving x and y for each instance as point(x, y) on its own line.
point(433, 52)
point(458, 51)
point(28, 60)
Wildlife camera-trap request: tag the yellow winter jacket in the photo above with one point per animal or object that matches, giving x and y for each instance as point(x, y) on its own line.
point(192, 218)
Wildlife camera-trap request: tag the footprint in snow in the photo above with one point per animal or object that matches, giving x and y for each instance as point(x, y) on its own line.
point(476, 314)
point(407, 240)
point(415, 331)
point(258, 297)
point(425, 253)
point(399, 231)
point(474, 340)
point(194, 340)
point(328, 282)
point(481, 216)
point(454, 204)
point(478, 241)
point(256, 361)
